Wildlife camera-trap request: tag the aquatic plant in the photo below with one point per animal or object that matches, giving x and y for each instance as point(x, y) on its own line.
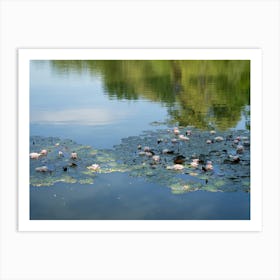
point(208, 163)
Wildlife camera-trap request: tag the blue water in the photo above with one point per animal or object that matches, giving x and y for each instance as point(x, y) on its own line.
point(133, 199)
point(75, 105)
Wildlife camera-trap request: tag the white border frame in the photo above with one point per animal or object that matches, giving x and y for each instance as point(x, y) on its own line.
point(254, 224)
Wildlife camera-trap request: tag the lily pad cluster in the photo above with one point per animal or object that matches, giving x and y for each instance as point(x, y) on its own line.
point(59, 164)
point(162, 156)
point(227, 152)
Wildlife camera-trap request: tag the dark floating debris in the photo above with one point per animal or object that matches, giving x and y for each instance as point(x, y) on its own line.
point(162, 156)
point(179, 159)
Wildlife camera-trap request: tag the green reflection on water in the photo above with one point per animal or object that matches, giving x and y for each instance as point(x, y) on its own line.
point(202, 93)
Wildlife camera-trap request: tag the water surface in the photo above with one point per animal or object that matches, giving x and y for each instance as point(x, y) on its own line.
point(99, 103)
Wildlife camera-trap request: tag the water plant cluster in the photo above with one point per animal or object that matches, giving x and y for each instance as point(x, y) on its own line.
point(183, 159)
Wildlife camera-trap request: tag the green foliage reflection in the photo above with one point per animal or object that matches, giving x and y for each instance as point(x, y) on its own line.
point(202, 93)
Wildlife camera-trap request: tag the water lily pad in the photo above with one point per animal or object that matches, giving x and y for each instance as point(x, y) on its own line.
point(126, 157)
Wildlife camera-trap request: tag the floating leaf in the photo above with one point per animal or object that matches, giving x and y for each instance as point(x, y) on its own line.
point(225, 176)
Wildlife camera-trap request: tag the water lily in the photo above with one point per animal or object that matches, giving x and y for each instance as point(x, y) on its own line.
point(183, 137)
point(239, 149)
point(94, 167)
point(154, 164)
point(42, 169)
point(74, 155)
point(156, 158)
point(209, 166)
point(34, 155)
point(175, 167)
point(176, 131)
point(178, 167)
point(194, 164)
point(167, 151)
point(234, 159)
point(219, 139)
point(44, 152)
point(147, 149)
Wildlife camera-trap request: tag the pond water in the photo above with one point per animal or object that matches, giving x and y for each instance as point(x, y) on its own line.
point(108, 108)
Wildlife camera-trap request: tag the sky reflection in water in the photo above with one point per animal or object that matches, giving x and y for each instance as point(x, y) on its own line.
point(74, 106)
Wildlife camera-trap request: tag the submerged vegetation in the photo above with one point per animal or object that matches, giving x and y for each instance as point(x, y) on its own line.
point(183, 159)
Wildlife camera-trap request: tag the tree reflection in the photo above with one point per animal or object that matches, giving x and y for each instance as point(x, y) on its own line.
point(203, 93)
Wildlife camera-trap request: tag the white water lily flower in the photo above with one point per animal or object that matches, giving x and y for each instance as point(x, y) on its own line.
point(34, 155)
point(166, 151)
point(94, 167)
point(239, 149)
point(74, 155)
point(44, 152)
point(42, 169)
point(169, 167)
point(175, 167)
point(147, 149)
point(194, 164)
point(209, 166)
point(156, 158)
point(183, 137)
point(178, 167)
point(219, 139)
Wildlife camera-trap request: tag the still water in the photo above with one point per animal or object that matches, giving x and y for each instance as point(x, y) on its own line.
point(99, 103)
